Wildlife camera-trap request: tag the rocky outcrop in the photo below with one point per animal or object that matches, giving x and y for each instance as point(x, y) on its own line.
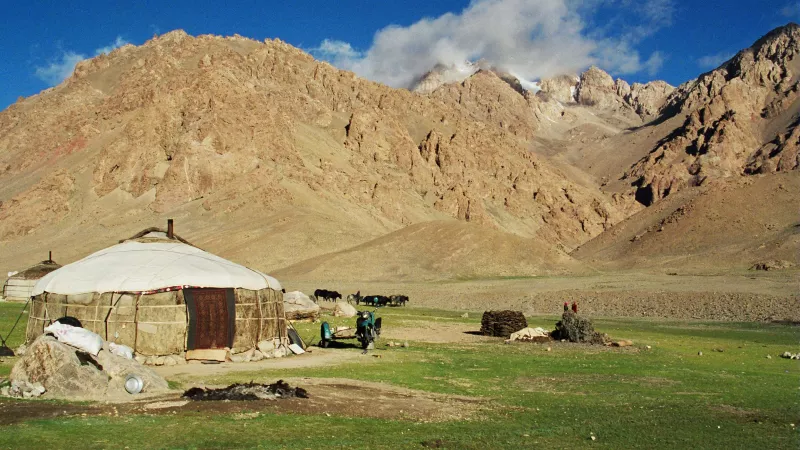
point(562, 88)
point(729, 111)
point(646, 99)
point(66, 372)
point(599, 90)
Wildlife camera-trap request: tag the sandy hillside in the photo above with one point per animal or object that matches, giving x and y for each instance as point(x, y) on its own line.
point(272, 159)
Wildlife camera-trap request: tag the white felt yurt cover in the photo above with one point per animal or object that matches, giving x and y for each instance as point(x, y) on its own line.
point(148, 266)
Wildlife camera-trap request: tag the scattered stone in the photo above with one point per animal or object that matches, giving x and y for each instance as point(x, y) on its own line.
point(648, 347)
point(720, 350)
point(774, 264)
point(266, 347)
point(405, 344)
point(622, 343)
point(390, 344)
point(790, 355)
point(549, 349)
point(769, 357)
point(699, 353)
point(257, 356)
point(465, 316)
point(23, 389)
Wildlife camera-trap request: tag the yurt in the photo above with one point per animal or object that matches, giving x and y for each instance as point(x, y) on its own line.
point(160, 295)
point(18, 286)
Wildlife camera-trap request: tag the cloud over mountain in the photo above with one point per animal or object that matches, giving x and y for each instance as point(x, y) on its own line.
point(61, 68)
point(530, 38)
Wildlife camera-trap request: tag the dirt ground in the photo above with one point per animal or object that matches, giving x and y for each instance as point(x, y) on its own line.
point(744, 296)
point(338, 396)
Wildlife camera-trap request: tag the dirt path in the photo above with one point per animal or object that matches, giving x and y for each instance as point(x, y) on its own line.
point(318, 357)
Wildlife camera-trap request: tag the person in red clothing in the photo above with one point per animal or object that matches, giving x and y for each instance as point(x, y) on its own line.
point(575, 307)
point(566, 306)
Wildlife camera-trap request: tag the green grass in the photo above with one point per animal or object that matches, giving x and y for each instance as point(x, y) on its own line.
point(9, 312)
point(664, 397)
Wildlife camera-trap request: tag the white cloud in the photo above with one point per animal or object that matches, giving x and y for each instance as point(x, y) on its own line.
point(654, 63)
point(531, 38)
point(59, 70)
point(714, 61)
point(62, 67)
point(335, 50)
point(118, 42)
point(791, 10)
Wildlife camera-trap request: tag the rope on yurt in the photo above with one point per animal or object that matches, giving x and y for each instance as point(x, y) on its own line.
point(3, 347)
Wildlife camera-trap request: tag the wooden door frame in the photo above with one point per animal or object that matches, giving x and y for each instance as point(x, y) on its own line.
point(191, 308)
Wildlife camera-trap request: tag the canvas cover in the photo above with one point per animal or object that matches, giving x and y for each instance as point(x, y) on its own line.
point(147, 266)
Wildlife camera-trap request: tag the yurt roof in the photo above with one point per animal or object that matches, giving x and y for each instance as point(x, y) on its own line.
point(37, 271)
point(151, 261)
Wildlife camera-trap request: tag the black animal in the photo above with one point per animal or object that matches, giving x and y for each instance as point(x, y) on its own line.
point(376, 300)
point(399, 300)
point(327, 295)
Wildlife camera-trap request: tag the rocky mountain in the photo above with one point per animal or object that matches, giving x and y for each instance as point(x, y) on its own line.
point(231, 132)
point(739, 119)
point(290, 165)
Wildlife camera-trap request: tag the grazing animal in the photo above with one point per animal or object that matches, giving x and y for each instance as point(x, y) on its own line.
point(354, 298)
point(399, 300)
point(376, 300)
point(327, 295)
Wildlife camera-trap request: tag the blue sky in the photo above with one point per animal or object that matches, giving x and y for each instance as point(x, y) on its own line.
point(674, 40)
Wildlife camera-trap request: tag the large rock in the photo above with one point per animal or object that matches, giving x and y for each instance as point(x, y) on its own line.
point(66, 372)
point(298, 306)
point(344, 310)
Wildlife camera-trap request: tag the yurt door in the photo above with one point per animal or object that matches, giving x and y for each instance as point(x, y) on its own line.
point(212, 317)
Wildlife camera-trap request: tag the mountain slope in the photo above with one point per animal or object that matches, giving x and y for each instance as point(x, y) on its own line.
point(230, 133)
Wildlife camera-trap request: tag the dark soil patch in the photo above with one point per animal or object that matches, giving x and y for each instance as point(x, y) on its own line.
point(340, 397)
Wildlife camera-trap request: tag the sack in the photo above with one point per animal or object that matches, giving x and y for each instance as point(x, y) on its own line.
point(120, 350)
point(80, 338)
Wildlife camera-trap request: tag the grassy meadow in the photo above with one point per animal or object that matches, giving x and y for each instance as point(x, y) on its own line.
point(668, 396)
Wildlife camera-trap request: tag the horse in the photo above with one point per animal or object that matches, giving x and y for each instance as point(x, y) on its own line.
point(399, 300)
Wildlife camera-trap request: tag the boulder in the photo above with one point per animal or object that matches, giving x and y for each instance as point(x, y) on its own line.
point(298, 306)
point(344, 310)
point(266, 347)
point(66, 372)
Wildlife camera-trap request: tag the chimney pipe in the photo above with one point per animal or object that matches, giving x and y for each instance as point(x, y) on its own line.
point(170, 229)
point(50, 256)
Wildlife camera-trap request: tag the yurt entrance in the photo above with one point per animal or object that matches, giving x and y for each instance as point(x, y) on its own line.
point(212, 318)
